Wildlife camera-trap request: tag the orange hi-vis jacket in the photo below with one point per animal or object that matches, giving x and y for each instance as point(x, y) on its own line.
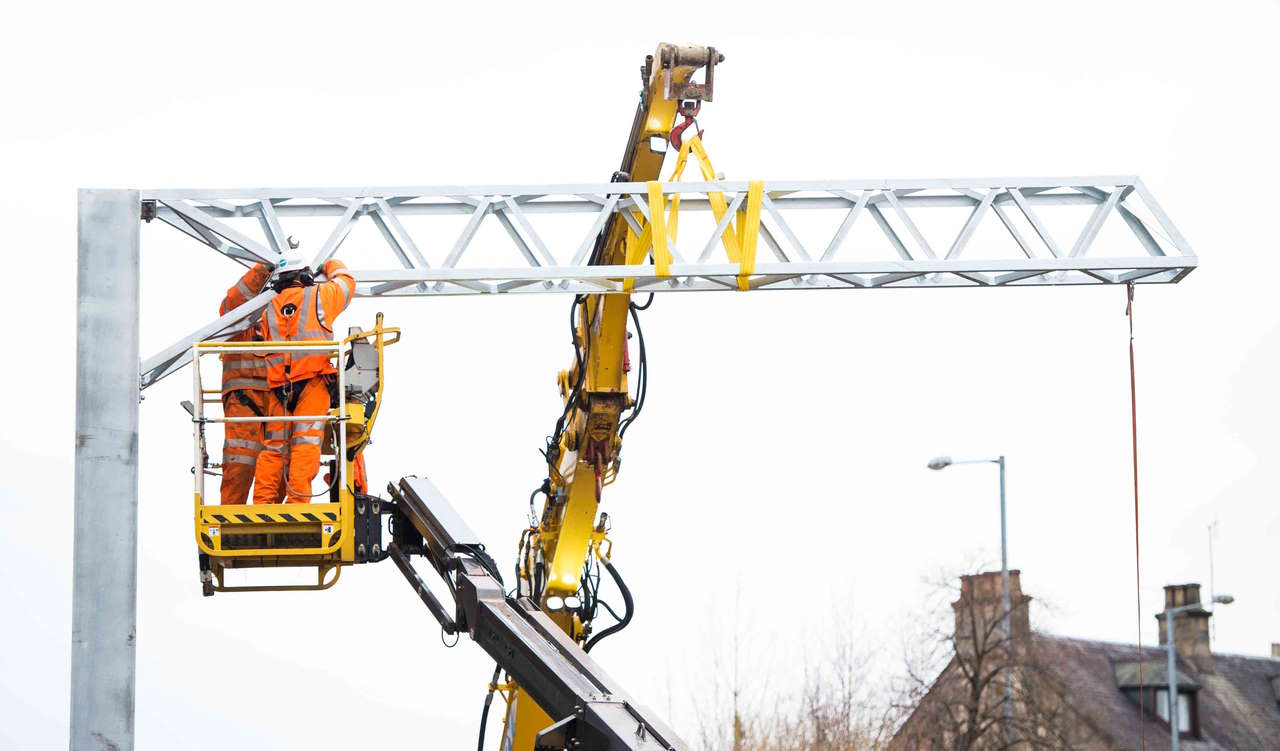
point(247, 370)
point(301, 314)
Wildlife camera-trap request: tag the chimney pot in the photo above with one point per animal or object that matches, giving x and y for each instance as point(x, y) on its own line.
point(1177, 595)
point(1275, 650)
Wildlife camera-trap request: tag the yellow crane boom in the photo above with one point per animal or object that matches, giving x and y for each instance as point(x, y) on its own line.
point(583, 451)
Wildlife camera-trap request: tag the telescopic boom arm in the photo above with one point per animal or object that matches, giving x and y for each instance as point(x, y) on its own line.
point(589, 710)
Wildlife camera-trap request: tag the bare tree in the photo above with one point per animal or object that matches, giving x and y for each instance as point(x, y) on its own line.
point(836, 708)
point(953, 694)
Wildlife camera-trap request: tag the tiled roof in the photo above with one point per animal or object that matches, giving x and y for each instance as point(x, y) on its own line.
point(1238, 707)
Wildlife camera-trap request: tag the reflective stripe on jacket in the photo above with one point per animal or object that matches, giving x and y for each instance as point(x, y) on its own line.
point(302, 314)
point(244, 371)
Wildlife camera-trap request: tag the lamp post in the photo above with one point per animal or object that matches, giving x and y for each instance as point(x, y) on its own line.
point(1170, 614)
point(940, 463)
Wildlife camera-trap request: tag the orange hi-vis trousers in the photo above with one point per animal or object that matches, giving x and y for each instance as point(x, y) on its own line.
point(358, 479)
point(241, 444)
point(298, 441)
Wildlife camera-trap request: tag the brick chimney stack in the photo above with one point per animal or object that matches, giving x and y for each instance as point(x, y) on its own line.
point(980, 606)
point(1191, 632)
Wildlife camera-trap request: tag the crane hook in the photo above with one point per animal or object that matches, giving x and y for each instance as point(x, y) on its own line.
point(689, 109)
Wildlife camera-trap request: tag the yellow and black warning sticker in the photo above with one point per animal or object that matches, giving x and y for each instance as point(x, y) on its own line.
point(277, 517)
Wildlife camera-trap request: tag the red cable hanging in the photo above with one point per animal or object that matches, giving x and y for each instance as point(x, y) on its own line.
point(1137, 557)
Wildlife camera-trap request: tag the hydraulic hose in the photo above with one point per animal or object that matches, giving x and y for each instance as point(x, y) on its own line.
point(627, 602)
point(488, 700)
point(580, 357)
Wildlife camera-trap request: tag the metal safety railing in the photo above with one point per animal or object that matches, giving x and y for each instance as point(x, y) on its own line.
point(201, 397)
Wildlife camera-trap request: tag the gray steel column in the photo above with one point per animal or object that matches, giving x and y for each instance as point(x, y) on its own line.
point(104, 597)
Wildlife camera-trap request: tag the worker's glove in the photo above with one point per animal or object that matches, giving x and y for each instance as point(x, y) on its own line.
point(332, 267)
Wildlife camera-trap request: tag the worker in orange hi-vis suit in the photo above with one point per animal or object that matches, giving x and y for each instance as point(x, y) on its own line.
point(244, 394)
point(300, 383)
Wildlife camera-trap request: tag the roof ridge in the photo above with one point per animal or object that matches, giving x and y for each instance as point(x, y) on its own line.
point(1267, 658)
point(1160, 647)
point(1102, 642)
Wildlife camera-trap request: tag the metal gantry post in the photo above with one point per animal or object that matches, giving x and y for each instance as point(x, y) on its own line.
point(105, 574)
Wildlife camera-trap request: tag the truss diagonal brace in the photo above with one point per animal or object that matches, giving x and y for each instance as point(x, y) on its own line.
point(203, 222)
point(174, 357)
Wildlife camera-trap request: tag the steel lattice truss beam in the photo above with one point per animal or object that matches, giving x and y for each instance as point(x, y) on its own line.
point(1006, 236)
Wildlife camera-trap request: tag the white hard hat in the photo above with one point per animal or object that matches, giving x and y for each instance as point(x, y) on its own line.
point(290, 262)
point(292, 259)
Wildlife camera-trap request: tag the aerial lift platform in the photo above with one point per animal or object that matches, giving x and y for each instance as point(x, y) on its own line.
point(344, 525)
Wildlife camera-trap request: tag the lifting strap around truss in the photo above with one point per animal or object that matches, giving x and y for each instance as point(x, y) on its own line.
point(739, 243)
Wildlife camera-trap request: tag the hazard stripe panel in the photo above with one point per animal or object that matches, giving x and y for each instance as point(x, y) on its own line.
point(270, 515)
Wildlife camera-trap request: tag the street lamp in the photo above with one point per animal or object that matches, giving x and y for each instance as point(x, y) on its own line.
point(1169, 615)
point(940, 463)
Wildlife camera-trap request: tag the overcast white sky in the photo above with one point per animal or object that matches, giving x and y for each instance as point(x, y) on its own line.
point(776, 481)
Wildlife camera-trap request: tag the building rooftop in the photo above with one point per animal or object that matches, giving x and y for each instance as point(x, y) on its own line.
point(1236, 703)
point(1226, 701)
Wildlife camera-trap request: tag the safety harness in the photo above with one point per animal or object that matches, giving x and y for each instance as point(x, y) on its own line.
point(241, 397)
